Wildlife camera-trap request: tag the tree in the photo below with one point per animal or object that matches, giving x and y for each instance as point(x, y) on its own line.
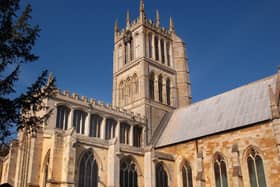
point(17, 39)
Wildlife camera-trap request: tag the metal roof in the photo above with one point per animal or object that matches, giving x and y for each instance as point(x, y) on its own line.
point(239, 107)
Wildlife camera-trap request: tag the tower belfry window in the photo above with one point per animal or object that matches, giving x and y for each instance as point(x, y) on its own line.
point(168, 53)
point(160, 88)
point(168, 92)
point(150, 39)
point(151, 85)
point(131, 49)
point(128, 47)
point(162, 51)
point(156, 48)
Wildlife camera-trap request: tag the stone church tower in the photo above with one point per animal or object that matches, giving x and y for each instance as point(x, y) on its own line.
point(152, 135)
point(150, 73)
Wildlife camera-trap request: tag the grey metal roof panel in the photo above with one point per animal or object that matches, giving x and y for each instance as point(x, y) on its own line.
point(242, 106)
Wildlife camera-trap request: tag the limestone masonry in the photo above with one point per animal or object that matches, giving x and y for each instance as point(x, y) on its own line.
point(152, 134)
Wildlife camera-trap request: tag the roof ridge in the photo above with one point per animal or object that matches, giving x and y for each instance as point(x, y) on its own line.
point(231, 90)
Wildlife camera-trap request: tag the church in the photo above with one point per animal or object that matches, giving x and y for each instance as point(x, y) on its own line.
point(152, 135)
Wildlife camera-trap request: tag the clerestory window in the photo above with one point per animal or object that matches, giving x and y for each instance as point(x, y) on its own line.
point(110, 129)
point(95, 125)
point(79, 121)
point(62, 117)
point(124, 133)
point(137, 136)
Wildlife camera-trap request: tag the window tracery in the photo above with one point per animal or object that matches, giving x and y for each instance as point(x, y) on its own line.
point(128, 90)
point(256, 169)
point(128, 173)
point(187, 175)
point(88, 170)
point(161, 176)
point(220, 171)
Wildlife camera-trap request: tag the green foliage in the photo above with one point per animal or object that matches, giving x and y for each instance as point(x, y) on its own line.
point(17, 39)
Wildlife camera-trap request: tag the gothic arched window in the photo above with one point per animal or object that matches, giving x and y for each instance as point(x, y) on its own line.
point(168, 99)
point(137, 136)
point(120, 55)
point(124, 133)
point(162, 51)
point(132, 50)
point(151, 85)
point(150, 45)
point(256, 169)
point(121, 96)
point(136, 85)
point(46, 170)
point(110, 128)
point(220, 171)
point(95, 125)
point(187, 175)
point(161, 176)
point(88, 170)
point(160, 88)
point(62, 117)
point(156, 48)
point(79, 121)
point(128, 173)
point(168, 53)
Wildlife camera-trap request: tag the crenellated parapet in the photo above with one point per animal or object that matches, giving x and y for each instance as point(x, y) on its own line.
point(91, 103)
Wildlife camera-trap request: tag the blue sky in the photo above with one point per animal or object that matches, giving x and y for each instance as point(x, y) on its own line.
point(229, 43)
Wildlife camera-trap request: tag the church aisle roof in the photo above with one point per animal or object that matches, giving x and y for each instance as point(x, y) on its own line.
point(239, 107)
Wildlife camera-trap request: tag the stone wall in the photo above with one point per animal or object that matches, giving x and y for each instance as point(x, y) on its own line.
point(233, 146)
